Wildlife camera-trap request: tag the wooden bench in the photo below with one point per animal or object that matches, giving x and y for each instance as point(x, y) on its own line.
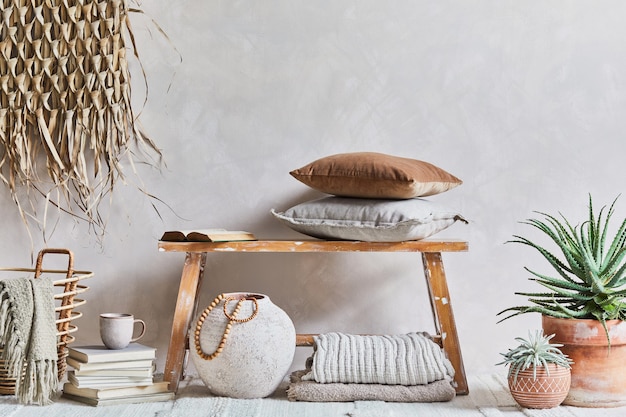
point(196, 252)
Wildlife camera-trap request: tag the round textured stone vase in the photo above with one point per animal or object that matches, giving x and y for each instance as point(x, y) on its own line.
point(547, 390)
point(255, 354)
point(598, 371)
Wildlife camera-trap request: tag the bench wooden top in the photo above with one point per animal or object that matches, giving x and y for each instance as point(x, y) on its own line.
point(316, 246)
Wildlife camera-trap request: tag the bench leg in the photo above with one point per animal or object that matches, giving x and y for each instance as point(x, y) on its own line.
point(444, 317)
point(185, 306)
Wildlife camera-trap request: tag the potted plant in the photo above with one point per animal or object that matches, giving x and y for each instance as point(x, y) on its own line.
point(584, 304)
point(539, 373)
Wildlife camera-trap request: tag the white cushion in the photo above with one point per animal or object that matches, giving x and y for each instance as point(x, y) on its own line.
point(369, 220)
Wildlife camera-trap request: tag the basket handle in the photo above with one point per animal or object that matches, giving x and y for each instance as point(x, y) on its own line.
point(70, 261)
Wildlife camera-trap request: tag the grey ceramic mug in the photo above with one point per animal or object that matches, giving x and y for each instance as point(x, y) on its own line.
point(116, 329)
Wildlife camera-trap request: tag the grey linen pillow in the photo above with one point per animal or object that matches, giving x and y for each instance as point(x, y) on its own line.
point(368, 220)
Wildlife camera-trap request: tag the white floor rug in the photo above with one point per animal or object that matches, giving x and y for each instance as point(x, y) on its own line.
point(488, 397)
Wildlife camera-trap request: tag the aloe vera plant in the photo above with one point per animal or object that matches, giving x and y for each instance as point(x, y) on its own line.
point(591, 272)
point(536, 351)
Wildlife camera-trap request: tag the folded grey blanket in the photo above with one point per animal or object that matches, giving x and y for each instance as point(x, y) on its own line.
point(410, 359)
point(311, 391)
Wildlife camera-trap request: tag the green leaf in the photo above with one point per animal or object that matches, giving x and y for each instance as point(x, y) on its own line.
point(558, 283)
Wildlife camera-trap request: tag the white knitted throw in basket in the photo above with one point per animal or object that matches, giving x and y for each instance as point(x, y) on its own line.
point(410, 359)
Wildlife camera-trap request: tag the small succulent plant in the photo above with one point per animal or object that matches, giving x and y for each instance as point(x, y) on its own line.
point(536, 351)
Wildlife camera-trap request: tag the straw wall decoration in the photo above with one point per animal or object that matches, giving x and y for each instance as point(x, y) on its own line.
point(66, 123)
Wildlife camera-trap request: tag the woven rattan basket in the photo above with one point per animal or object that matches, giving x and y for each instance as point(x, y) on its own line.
point(66, 290)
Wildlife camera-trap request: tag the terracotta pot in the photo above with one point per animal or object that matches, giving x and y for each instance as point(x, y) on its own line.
point(547, 390)
point(598, 373)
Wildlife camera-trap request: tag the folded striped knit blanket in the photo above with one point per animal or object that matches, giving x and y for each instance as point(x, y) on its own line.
point(410, 359)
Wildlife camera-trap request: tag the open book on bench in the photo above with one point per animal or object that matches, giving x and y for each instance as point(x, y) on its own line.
point(206, 235)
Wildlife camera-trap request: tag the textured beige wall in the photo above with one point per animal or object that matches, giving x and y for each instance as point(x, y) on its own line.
point(524, 101)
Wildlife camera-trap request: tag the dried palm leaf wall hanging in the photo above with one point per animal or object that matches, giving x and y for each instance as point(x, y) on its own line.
point(66, 123)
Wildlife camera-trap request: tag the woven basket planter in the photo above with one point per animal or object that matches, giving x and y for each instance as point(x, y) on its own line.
point(66, 290)
point(547, 390)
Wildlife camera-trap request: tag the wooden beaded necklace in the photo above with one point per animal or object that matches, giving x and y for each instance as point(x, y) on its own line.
point(232, 318)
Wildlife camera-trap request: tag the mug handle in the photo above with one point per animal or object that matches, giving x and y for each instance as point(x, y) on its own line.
point(143, 329)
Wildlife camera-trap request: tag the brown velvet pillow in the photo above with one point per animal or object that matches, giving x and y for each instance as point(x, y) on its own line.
point(375, 175)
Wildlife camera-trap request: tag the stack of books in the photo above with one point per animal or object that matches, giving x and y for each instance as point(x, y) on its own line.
point(103, 376)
